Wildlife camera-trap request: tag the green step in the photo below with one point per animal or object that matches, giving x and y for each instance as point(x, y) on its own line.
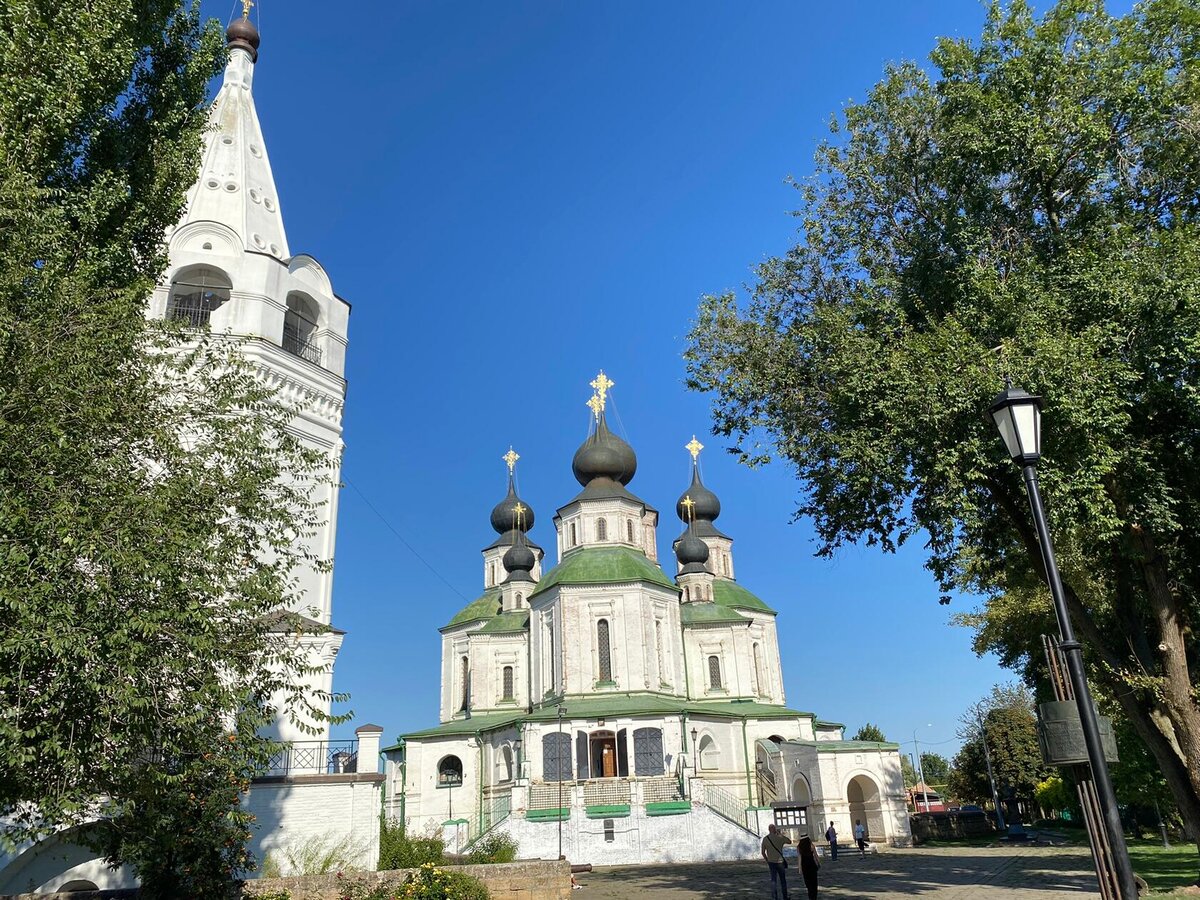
point(548, 815)
point(669, 808)
point(608, 811)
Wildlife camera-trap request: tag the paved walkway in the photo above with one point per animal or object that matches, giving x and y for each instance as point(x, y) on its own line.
point(956, 873)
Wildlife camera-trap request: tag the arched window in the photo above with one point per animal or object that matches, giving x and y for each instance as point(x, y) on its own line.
point(629, 530)
point(573, 541)
point(195, 293)
point(79, 884)
point(707, 753)
point(299, 328)
point(507, 680)
point(520, 597)
point(466, 683)
point(602, 529)
point(450, 770)
point(714, 673)
point(757, 671)
point(602, 649)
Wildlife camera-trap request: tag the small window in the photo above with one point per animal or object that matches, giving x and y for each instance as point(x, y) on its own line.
point(714, 672)
point(573, 541)
point(300, 327)
point(757, 672)
point(602, 530)
point(196, 293)
point(602, 647)
point(466, 683)
point(629, 530)
point(610, 833)
point(507, 679)
point(520, 598)
point(450, 770)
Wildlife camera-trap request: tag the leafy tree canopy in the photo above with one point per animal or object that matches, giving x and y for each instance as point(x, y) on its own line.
point(869, 732)
point(936, 768)
point(152, 496)
point(1028, 209)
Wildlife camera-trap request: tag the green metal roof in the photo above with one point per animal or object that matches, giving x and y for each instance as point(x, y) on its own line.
point(513, 621)
point(606, 705)
point(483, 607)
point(852, 746)
point(480, 722)
point(705, 613)
point(733, 595)
point(603, 565)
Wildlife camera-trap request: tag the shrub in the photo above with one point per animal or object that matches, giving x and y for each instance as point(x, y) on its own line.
point(398, 850)
point(427, 883)
point(494, 848)
point(319, 855)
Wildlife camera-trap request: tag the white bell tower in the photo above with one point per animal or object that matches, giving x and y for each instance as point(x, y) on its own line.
point(230, 268)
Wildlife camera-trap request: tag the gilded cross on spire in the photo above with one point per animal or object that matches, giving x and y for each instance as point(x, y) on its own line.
point(596, 404)
point(687, 503)
point(511, 458)
point(246, 4)
point(601, 384)
point(519, 514)
point(694, 447)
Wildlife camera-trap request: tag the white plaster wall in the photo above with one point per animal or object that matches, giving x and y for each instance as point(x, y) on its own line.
point(54, 861)
point(292, 813)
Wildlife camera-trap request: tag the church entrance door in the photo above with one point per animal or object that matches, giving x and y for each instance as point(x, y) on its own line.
point(604, 754)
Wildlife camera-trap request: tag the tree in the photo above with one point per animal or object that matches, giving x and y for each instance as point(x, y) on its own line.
point(936, 768)
point(907, 771)
point(1054, 795)
point(870, 732)
point(1016, 757)
point(1027, 210)
point(152, 496)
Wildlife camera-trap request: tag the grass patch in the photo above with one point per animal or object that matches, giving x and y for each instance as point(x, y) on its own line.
point(1165, 869)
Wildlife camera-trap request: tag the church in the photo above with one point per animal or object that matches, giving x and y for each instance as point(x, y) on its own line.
point(604, 710)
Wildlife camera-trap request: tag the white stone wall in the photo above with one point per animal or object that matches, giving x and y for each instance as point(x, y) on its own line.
point(293, 813)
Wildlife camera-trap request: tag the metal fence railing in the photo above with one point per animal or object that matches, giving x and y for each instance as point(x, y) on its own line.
point(300, 343)
point(313, 758)
point(725, 804)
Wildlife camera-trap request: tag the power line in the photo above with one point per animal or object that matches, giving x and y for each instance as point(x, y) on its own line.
point(401, 539)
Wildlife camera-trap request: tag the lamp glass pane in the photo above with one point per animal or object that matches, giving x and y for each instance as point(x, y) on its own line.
point(1008, 431)
point(1025, 416)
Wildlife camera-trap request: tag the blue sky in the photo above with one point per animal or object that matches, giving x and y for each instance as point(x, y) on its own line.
point(515, 195)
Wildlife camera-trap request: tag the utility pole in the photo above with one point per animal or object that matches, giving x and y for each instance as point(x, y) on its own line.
point(987, 757)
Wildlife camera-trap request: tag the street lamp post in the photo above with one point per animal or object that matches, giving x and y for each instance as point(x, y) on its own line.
point(562, 711)
point(1018, 416)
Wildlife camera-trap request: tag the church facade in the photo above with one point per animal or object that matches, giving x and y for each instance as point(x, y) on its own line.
point(605, 710)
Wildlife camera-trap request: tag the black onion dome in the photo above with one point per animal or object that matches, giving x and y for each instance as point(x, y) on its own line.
point(604, 455)
point(706, 507)
point(242, 35)
point(518, 558)
point(504, 515)
point(690, 549)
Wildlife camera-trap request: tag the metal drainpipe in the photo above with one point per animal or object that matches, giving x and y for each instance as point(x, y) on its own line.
point(746, 756)
point(479, 780)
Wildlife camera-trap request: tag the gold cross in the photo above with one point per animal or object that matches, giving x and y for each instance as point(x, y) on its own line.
point(693, 447)
point(246, 4)
point(519, 514)
point(511, 458)
point(687, 503)
point(597, 405)
point(601, 385)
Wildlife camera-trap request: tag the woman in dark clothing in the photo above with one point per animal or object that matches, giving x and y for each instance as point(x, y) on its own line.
point(807, 852)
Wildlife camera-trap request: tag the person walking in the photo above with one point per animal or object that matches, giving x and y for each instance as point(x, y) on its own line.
point(831, 836)
point(809, 864)
point(860, 837)
point(772, 852)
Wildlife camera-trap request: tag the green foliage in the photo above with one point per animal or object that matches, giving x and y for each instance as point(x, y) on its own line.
point(936, 768)
point(1016, 757)
point(399, 850)
point(281, 894)
point(907, 770)
point(144, 478)
point(319, 855)
point(493, 848)
point(427, 883)
point(1054, 795)
point(1027, 208)
point(869, 732)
